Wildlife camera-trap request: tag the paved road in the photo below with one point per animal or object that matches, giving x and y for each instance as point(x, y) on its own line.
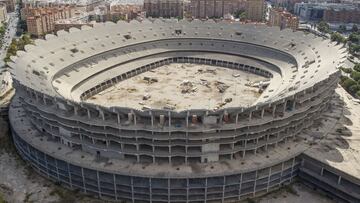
point(9, 35)
point(5, 78)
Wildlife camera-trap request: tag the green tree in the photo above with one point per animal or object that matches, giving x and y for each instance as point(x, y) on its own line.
point(342, 28)
point(357, 67)
point(355, 76)
point(354, 28)
point(335, 36)
point(347, 83)
point(354, 38)
point(346, 70)
point(324, 27)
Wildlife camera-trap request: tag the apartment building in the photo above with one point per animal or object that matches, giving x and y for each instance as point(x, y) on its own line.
point(220, 8)
point(164, 8)
point(215, 8)
point(255, 10)
point(283, 19)
point(10, 5)
point(3, 12)
point(41, 21)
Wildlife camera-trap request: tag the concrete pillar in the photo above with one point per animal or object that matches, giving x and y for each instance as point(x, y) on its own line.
point(83, 178)
point(169, 115)
point(294, 105)
point(237, 118)
point(268, 182)
point(256, 173)
point(322, 171)
point(161, 120)
point(76, 110)
point(262, 113)
point(152, 119)
point(98, 182)
point(187, 119)
point(114, 179)
point(101, 112)
point(241, 177)
point(339, 180)
point(273, 110)
point(226, 117)
point(118, 118)
point(89, 114)
point(250, 115)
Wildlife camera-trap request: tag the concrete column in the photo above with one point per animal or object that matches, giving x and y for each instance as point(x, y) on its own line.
point(169, 115)
point(114, 179)
point(101, 112)
point(57, 168)
point(69, 174)
point(268, 182)
point(118, 118)
point(187, 119)
point(273, 110)
point(237, 118)
point(83, 178)
point(241, 176)
point(88, 112)
point(262, 113)
point(256, 173)
point(132, 189)
point(294, 105)
point(152, 119)
point(322, 171)
point(76, 110)
point(250, 115)
point(339, 180)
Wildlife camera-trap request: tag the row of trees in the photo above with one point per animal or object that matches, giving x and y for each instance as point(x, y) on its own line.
point(17, 44)
point(351, 84)
point(353, 40)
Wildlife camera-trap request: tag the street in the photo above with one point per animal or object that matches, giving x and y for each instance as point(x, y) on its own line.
point(5, 78)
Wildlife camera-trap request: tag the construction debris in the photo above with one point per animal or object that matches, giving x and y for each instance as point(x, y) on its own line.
point(205, 83)
point(187, 87)
point(207, 70)
point(146, 96)
point(221, 86)
point(228, 100)
point(150, 80)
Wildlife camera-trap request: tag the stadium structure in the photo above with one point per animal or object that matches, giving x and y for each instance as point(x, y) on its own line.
point(174, 111)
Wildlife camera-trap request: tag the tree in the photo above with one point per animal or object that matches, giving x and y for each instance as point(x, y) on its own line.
point(354, 28)
point(353, 89)
point(346, 70)
point(335, 36)
point(347, 83)
point(356, 76)
point(323, 27)
point(357, 67)
point(342, 28)
point(354, 38)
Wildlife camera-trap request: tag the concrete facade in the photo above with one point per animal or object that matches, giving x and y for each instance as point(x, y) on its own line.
point(162, 155)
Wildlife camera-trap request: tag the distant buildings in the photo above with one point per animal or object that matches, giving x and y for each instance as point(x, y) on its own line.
point(125, 11)
point(254, 9)
point(41, 21)
point(283, 19)
point(330, 12)
point(215, 8)
point(3, 12)
point(10, 5)
point(164, 8)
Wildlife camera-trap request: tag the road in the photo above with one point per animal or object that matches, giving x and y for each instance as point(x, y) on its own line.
point(9, 35)
point(5, 78)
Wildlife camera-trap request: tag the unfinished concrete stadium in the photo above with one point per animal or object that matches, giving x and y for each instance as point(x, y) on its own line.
point(176, 111)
